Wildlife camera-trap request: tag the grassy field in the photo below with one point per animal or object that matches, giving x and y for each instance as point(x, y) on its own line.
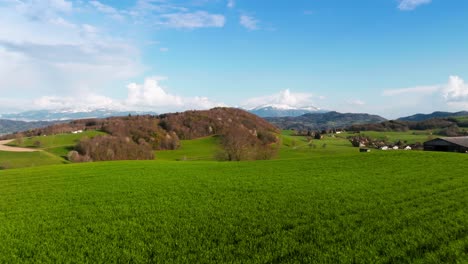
point(192, 150)
point(11, 160)
point(57, 145)
point(379, 207)
point(54, 141)
point(294, 147)
point(410, 137)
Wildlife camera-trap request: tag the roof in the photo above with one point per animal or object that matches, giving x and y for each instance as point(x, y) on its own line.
point(462, 141)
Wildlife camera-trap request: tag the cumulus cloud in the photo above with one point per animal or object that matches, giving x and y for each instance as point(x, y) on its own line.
point(146, 96)
point(152, 96)
point(199, 19)
point(408, 5)
point(249, 22)
point(150, 93)
point(456, 90)
point(284, 98)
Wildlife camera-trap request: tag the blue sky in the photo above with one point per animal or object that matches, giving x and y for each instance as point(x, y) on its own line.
point(388, 57)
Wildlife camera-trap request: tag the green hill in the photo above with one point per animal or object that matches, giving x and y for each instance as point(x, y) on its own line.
point(378, 207)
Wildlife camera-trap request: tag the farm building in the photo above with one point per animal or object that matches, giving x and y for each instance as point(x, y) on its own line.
point(447, 144)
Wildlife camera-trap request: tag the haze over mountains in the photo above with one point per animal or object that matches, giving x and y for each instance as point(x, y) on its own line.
point(68, 114)
point(283, 110)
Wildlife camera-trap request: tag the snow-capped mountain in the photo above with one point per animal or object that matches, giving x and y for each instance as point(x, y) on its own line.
point(68, 114)
point(283, 110)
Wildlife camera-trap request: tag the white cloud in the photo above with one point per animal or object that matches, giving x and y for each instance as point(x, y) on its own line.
point(152, 96)
point(452, 96)
point(285, 98)
point(356, 102)
point(163, 49)
point(408, 5)
point(231, 3)
point(147, 96)
point(41, 10)
point(199, 19)
point(56, 55)
point(249, 22)
point(80, 102)
point(456, 90)
point(106, 9)
point(413, 90)
point(150, 93)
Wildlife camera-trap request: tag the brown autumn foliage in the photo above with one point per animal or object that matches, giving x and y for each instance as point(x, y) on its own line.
point(102, 148)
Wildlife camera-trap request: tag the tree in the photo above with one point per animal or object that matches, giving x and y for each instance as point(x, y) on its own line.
point(19, 138)
point(236, 143)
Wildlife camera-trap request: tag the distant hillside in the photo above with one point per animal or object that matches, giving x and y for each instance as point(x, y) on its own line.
point(452, 126)
point(320, 121)
point(422, 117)
point(283, 111)
point(11, 126)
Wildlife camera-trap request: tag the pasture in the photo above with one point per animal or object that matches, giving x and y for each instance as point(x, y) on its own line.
point(12, 160)
point(410, 137)
point(54, 141)
point(379, 207)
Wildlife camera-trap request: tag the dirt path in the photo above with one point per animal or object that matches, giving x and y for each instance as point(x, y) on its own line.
point(3, 147)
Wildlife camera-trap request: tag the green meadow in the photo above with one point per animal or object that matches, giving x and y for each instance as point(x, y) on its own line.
point(410, 137)
point(318, 201)
point(12, 160)
point(192, 150)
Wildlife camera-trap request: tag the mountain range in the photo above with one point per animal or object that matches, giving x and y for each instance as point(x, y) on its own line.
point(68, 114)
point(423, 117)
point(11, 126)
point(328, 120)
point(281, 110)
point(283, 116)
